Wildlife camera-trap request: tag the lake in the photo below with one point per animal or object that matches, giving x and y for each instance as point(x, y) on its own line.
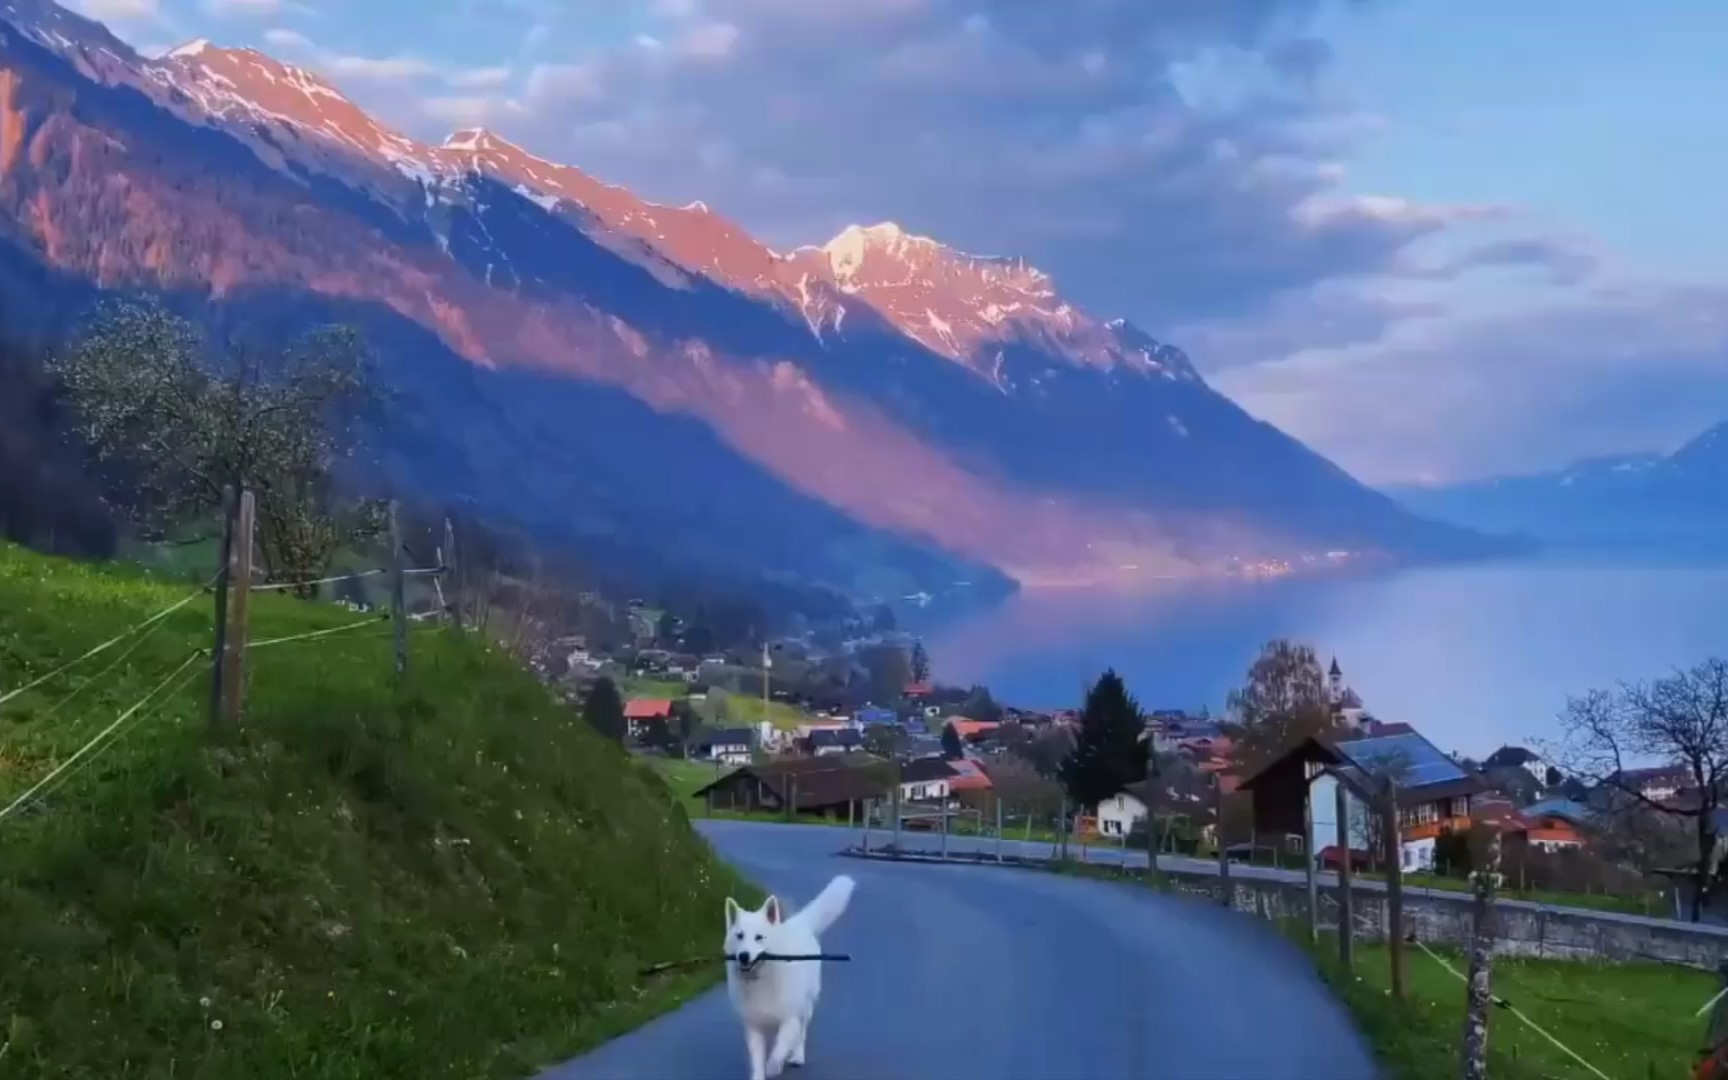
point(1473, 656)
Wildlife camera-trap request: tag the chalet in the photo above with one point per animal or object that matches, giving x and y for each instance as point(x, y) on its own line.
point(826, 742)
point(1659, 784)
point(926, 779)
point(732, 746)
point(972, 730)
point(1434, 793)
point(970, 776)
point(831, 786)
point(876, 714)
point(1555, 824)
point(1118, 814)
point(639, 711)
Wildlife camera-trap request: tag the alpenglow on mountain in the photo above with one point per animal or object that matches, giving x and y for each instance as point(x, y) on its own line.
point(877, 412)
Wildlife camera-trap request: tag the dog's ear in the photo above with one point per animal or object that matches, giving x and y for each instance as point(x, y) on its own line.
point(732, 910)
point(772, 908)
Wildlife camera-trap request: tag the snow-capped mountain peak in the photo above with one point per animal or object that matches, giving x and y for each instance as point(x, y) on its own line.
point(250, 89)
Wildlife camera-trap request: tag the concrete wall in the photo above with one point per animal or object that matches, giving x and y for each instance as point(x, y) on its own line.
point(1522, 928)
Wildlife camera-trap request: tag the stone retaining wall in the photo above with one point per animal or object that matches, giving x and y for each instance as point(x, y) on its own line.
point(1439, 918)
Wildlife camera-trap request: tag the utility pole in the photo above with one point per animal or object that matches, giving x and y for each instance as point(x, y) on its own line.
point(1346, 903)
point(1480, 993)
point(1394, 888)
point(219, 648)
point(398, 600)
point(239, 602)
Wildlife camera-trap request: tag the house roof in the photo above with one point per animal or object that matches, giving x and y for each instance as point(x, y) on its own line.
point(647, 708)
point(925, 769)
point(741, 736)
point(812, 783)
point(1565, 809)
point(824, 737)
point(971, 776)
point(1424, 774)
point(969, 728)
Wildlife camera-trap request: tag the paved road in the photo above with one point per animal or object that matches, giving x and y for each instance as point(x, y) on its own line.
point(969, 972)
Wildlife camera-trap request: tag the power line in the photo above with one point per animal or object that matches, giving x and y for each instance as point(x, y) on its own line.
point(1513, 1009)
point(55, 708)
point(106, 645)
point(88, 747)
point(118, 735)
point(282, 585)
point(318, 633)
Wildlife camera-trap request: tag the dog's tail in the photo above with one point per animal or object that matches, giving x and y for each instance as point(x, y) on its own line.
point(829, 905)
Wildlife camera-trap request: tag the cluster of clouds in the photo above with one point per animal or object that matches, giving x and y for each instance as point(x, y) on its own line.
point(1181, 162)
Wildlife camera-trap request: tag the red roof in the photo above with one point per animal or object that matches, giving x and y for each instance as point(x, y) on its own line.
point(967, 729)
point(647, 708)
point(918, 689)
point(972, 777)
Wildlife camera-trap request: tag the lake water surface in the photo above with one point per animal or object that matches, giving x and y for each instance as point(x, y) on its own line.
point(1473, 656)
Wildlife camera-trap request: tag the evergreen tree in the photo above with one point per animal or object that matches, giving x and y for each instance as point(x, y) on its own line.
point(604, 710)
point(920, 663)
point(1108, 753)
point(952, 748)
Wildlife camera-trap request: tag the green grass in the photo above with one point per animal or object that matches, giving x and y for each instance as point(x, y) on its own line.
point(1650, 904)
point(450, 877)
point(1631, 1021)
point(743, 710)
point(675, 690)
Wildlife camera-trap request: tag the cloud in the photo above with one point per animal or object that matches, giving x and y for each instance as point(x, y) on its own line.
point(1083, 136)
point(283, 38)
point(120, 10)
point(1612, 369)
point(244, 7)
point(381, 69)
point(484, 78)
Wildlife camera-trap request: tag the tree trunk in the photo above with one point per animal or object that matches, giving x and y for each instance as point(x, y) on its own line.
point(1701, 872)
point(1480, 993)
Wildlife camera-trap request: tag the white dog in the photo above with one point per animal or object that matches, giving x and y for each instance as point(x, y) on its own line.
point(776, 999)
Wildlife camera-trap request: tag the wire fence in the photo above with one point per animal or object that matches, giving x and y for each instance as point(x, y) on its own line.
point(229, 616)
point(112, 642)
point(102, 738)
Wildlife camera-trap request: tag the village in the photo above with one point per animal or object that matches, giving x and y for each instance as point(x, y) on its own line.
point(797, 732)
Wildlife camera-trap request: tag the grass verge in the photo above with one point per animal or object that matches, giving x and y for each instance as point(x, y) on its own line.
point(445, 877)
point(1631, 1021)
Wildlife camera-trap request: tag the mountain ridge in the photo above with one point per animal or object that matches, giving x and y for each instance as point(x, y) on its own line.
point(1054, 447)
point(1650, 503)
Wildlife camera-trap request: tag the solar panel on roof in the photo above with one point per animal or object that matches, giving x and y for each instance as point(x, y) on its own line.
point(1416, 761)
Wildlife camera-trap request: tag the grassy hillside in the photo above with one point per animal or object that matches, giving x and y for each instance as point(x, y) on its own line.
point(450, 878)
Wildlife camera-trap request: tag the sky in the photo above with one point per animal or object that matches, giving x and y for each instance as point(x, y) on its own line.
point(1436, 239)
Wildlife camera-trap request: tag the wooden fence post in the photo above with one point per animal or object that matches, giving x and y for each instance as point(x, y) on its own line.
point(1480, 994)
point(398, 600)
point(998, 799)
point(219, 647)
point(1346, 904)
point(239, 607)
point(894, 805)
point(452, 574)
point(1394, 887)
